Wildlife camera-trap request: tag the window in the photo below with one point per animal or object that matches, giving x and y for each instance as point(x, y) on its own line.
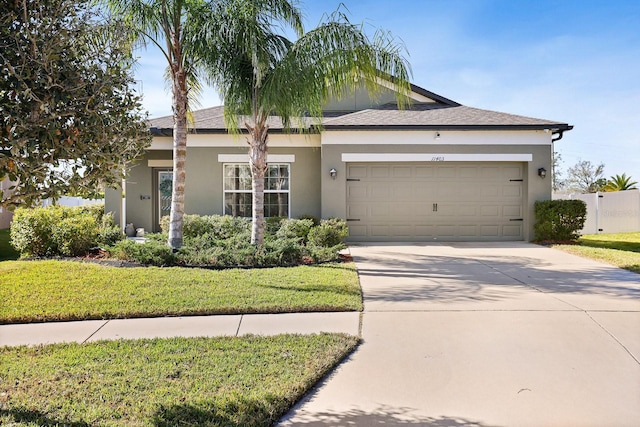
point(237, 190)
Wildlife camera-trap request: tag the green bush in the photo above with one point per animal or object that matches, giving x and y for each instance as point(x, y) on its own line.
point(32, 230)
point(61, 230)
point(151, 252)
point(295, 229)
point(330, 233)
point(559, 220)
point(272, 224)
point(75, 235)
point(219, 226)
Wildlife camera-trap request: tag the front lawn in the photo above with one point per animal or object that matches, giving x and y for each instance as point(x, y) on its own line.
point(35, 291)
point(621, 250)
point(249, 381)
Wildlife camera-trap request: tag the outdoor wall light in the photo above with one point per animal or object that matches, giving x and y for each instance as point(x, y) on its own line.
point(437, 136)
point(542, 173)
point(333, 172)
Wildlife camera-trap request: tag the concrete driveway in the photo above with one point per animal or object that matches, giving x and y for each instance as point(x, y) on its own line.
point(491, 334)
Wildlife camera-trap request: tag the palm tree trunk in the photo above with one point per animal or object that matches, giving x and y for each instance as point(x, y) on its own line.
point(180, 103)
point(258, 163)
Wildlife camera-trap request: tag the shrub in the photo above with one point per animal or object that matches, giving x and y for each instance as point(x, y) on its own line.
point(324, 254)
point(330, 233)
point(75, 235)
point(314, 219)
point(219, 226)
point(32, 230)
point(272, 224)
point(151, 253)
point(559, 220)
point(61, 230)
point(295, 229)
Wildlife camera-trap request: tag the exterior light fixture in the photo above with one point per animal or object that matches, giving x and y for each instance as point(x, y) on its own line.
point(333, 173)
point(437, 135)
point(542, 173)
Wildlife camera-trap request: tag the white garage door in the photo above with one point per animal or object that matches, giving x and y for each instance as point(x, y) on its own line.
point(435, 201)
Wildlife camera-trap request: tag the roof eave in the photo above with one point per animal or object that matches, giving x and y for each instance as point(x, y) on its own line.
point(554, 127)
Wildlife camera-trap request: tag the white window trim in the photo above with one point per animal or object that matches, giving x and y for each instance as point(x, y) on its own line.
point(225, 191)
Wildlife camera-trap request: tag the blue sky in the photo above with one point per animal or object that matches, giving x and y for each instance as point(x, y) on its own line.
point(575, 61)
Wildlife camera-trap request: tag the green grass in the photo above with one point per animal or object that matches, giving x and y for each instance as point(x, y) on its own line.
point(621, 250)
point(248, 381)
point(7, 252)
point(34, 291)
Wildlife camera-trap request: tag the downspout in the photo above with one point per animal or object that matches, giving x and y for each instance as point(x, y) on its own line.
point(560, 134)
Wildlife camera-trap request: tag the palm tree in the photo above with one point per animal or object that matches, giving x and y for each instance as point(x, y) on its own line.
point(181, 29)
point(168, 24)
point(260, 74)
point(620, 183)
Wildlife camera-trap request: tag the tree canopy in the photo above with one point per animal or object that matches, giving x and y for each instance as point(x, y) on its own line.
point(70, 118)
point(260, 73)
point(585, 177)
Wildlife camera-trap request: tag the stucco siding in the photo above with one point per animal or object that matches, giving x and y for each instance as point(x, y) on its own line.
point(334, 190)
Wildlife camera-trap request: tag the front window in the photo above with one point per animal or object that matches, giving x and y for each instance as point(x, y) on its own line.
point(237, 190)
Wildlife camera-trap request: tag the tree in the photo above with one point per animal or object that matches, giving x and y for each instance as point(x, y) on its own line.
point(182, 30)
point(557, 183)
point(586, 177)
point(70, 119)
point(260, 73)
point(168, 25)
point(620, 183)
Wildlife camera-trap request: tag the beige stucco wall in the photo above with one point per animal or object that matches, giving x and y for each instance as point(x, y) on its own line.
point(203, 190)
point(536, 143)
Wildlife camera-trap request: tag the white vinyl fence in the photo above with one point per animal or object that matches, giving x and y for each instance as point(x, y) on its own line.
point(616, 212)
point(73, 201)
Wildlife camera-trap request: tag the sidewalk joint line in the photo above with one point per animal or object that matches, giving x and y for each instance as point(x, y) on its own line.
point(612, 336)
point(96, 331)
point(239, 323)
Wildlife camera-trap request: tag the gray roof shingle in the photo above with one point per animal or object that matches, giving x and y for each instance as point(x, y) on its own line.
point(442, 114)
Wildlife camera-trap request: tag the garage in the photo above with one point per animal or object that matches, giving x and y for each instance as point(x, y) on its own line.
point(426, 201)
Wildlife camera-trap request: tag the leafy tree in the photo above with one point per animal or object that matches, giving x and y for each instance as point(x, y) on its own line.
point(620, 183)
point(260, 73)
point(586, 177)
point(70, 119)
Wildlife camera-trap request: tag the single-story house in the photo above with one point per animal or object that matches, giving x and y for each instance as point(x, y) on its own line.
point(436, 171)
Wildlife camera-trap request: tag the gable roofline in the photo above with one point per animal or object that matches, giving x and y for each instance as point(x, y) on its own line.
point(438, 98)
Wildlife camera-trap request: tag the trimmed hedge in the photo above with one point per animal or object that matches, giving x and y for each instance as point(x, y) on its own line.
point(62, 230)
point(559, 220)
point(225, 241)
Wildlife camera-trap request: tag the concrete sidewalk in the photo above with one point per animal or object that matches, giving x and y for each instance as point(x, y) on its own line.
point(495, 334)
point(164, 327)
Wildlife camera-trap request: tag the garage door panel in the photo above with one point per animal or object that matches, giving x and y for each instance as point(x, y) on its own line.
point(380, 171)
point(445, 201)
point(490, 211)
point(513, 211)
point(402, 171)
point(512, 230)
point(424, 172)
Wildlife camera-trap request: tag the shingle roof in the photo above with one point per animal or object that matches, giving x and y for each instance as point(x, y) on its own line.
point(441, 114)
point(209, 120)
point(436, 115)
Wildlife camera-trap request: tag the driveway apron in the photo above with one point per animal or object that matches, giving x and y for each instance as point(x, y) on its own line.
point(486, 334)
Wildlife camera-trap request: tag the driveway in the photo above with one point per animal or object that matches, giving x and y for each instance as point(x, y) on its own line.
point(491, 334)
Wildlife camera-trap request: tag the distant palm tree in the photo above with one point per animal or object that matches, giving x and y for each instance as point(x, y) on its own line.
point(620, 183)
point(260, 73)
